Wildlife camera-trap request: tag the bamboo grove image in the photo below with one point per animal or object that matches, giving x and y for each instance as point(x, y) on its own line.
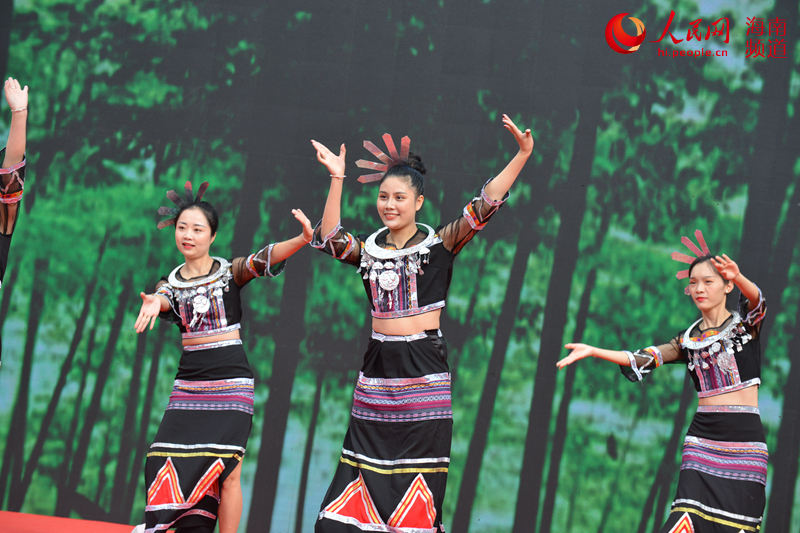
point(632, 151)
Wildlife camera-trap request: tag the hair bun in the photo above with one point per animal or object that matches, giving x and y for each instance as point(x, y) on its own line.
point(415, 162)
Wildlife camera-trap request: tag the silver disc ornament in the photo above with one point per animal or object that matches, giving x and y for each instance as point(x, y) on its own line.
point(388, 280)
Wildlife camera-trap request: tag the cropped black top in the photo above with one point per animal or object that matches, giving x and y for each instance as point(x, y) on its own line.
point(719, 360)
point(12, 183)
point(414, 279)
point(211, 304)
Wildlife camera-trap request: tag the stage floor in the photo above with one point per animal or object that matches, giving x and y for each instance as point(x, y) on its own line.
point(30, 523)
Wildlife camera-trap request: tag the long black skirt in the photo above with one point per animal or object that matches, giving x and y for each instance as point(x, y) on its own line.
point(721, 487)
point(201, 439)
point(392, 472)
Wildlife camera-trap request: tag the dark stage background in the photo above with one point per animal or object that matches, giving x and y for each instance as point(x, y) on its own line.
point(632, 151)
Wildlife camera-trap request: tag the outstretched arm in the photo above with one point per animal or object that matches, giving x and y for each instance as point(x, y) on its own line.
point(152, 306)
point(17, 99)
point(582, 351)
point(497, 188)
point(335, 165)
point(269, 261)
point(634, 365)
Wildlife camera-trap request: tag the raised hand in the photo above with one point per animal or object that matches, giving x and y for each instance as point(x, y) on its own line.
point(16, 97)
point(726, 267)
point(308, 231)
point(524, 139)
point(151, 307)
point(579, 351)
point(334, 163)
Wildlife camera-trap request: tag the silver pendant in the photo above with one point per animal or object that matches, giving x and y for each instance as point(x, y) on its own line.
point(201, 304)
point(389, 280)
point(725, 362)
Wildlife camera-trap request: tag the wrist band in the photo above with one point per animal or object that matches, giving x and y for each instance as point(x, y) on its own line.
point(19, 109)
point(339, 177)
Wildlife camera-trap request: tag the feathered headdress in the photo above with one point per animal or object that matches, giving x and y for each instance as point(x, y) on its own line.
point(188, 199)
point(698, 252)
point(386, 161)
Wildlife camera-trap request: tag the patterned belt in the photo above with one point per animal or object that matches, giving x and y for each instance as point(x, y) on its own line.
point(402, 338)
point(728, 409)
point(210, 345)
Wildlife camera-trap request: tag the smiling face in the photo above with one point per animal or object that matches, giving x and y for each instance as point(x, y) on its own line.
point(398, 202)
point(707, 288)
point(193, 235)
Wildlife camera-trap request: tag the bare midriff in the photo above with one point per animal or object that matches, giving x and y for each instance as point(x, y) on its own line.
point(748, 396)
point(194, 341)
point(407, 325)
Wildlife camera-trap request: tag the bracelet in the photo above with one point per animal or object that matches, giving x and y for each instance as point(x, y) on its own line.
point(19, 109)
point(338, 177)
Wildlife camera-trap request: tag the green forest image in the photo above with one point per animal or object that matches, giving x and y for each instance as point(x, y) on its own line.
point(632, 151)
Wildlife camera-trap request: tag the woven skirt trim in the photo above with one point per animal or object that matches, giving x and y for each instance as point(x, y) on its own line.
point(218, 395)
point(403, 399)
point(355, 507)
point(201, 439)
point(744, 461)
point(392, 472)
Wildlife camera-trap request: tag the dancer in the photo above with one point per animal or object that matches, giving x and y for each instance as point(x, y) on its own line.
point(723, 475)
point(12, 174)
point(193, 466)
point(393, 468)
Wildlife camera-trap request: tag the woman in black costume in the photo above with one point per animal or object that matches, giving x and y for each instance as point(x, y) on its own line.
point(393, 469)
point(192, 469)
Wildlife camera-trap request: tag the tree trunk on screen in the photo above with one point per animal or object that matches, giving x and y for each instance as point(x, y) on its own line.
point(770, 178)
point(312, 428)
point(785, 457)
point(613, 494)
point(137, 470)
point(666, 468)
point(571, 208)
point(101, 379)
point(6, 16)
point(527, 241)
point(288, 335)
point(505, 324)
point(122, 470)
point(62, 472)
point(560, 435)
point(5, 293)
point(16, 499)
point(13, 458)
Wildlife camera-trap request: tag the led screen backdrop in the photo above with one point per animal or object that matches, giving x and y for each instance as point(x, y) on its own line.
point(633, 150)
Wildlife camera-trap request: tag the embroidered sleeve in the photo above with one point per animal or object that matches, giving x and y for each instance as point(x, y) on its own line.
point(12, 184)
point(163, 288)
point(256, 265)
point(339, 244)
point(645, 360)
point(752, 317)
point(473, 218)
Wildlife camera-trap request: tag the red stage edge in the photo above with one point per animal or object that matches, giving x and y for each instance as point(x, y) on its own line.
point(31, 523)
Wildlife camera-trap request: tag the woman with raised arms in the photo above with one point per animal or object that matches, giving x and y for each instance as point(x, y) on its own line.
point(193, 466)
point(12, 174)
point(723, 474)
point(393, 469)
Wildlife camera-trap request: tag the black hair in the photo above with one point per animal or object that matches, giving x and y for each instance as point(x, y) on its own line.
point(207, 209)
point(413, 169)
point(703, 259)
